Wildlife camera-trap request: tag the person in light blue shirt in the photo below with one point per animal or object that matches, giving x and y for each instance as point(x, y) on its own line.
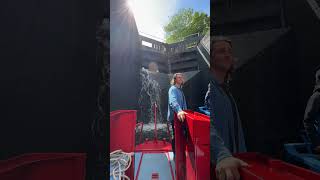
point(226, 135)
point(177, 103)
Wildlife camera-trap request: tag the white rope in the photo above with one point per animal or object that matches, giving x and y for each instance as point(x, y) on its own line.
point(120, 161)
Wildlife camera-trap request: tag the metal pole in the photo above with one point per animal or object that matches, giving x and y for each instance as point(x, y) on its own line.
point(155, 121)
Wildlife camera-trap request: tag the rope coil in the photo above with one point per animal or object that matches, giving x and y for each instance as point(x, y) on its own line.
point(119, 162)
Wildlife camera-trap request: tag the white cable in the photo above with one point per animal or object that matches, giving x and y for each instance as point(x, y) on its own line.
point(120, 162)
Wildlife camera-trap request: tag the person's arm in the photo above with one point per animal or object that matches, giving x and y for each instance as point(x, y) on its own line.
point(173, 101)
point(217, 148)
point(310, 116)
point(226, 165)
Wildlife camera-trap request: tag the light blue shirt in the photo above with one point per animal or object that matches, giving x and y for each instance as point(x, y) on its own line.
point(177, 102)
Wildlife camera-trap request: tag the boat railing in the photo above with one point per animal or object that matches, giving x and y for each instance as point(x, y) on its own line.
point(192, 146)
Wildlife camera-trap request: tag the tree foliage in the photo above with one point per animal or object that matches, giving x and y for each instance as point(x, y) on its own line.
point(185, 23)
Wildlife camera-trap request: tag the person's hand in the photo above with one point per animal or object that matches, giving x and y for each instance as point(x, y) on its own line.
point(181, 115)
point(228, 168)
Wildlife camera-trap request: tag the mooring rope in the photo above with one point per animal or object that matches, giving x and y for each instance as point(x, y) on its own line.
point(120, 161)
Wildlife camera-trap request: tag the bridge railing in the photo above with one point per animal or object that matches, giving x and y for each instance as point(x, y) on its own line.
point(157, 46)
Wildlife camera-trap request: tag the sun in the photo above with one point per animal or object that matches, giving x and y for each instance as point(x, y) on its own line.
point(132, 6)
point(151, 15)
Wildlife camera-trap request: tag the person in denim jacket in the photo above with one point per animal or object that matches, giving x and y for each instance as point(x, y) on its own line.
point(226, 134)
point(177, 103)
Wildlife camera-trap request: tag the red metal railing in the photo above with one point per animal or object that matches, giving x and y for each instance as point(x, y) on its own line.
point(48, 166)
point(155, 122)
point(122, 133)
point(192, 144)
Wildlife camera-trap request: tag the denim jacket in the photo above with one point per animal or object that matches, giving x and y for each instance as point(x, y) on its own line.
point(226, 134)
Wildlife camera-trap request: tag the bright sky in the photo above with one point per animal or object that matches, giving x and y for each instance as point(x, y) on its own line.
point(152, 15)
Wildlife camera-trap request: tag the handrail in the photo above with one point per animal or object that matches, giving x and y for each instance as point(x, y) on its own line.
point(178, 47)
point(205, 42)
point(203, 56)
point(191, 137)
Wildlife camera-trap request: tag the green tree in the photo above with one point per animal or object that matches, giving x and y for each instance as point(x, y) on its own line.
point(185, 23)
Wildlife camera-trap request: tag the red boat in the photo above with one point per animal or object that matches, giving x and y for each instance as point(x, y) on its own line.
point(153, 159)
